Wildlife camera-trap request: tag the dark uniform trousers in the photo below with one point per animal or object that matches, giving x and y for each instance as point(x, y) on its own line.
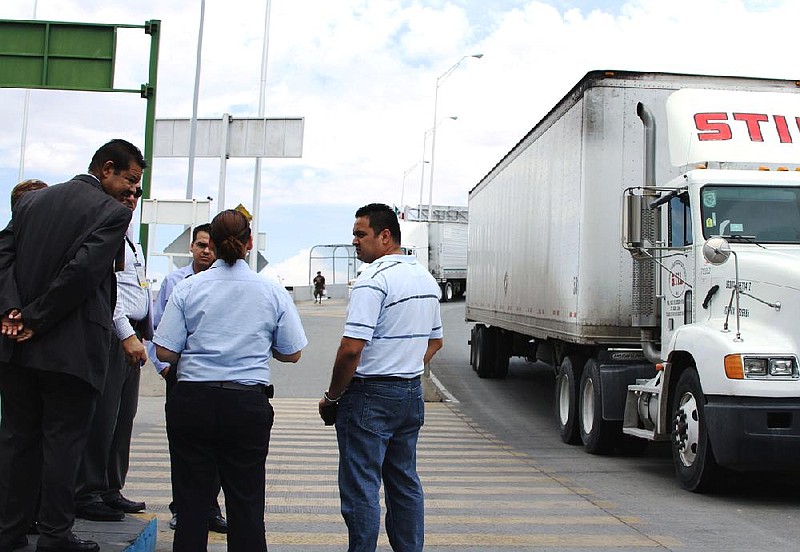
point(106, 458)
point(213, 510)
point(214, 430)
point(45, 425)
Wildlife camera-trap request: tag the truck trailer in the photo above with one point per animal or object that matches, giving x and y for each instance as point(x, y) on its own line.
point(440, 245)
point(643, 239)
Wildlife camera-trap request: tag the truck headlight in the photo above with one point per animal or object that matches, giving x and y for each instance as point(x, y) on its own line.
point(755, 366)
point(744, 367)
point(781, 367)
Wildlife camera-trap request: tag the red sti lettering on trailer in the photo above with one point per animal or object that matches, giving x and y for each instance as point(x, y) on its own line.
point(738, 126)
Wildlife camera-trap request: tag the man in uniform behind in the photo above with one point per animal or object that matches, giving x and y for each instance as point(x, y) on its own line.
point(202, 258)
point(105, 461)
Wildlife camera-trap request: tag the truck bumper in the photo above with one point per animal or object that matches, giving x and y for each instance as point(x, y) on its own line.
point(749, 433)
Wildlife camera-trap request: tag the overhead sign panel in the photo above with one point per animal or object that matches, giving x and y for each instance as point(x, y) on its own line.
point(63, 56)
point(176, 211)
point(267, 137)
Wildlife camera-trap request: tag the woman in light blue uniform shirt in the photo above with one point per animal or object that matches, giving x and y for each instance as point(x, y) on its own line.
point(221, 327)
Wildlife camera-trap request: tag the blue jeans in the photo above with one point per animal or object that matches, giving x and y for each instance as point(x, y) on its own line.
point(377, 426)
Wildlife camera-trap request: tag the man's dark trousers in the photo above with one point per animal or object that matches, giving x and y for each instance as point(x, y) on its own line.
point(63, 405)
point(106, 457)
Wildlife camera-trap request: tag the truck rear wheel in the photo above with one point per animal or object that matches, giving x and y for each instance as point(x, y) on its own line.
point(486, 347)
point(447, 292)
point(502, 352)
point(598, 435)
point(695, 466)
point(566, 399)
point(473, 346)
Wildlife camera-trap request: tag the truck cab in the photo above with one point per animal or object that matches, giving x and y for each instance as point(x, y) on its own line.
point(727, 258)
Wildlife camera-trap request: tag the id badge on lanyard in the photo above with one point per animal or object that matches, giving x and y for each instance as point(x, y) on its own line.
point(140, 274)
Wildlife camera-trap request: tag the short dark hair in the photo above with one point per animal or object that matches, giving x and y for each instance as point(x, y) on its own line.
point(381, 217)
point(230, 232)
point(201, 228)
point(120, 152)
point(24, 187)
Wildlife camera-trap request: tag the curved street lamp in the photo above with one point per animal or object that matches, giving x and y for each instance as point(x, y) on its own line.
point(439, 82)
point(405, 174)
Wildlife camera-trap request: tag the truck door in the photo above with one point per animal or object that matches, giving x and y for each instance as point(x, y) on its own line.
point(677, 280)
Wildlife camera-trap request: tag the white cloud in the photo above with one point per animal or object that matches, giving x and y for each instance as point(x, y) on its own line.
point(292, 271)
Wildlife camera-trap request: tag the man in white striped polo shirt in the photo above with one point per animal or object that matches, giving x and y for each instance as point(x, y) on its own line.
point(393, 328)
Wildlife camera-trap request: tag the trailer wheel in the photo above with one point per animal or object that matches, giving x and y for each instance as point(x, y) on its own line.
point(566, 399)
point(485, 351)
point(502, 352)
point(695, 466)
point(447, 292)
point(598, 435)
point(473, 346)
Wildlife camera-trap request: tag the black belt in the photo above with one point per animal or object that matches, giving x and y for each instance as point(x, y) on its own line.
point(384, 378)
point(259, 387)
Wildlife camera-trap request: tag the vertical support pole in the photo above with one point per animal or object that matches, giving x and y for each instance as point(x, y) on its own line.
point(261, 105)
point(153, 28)
point(223, 161)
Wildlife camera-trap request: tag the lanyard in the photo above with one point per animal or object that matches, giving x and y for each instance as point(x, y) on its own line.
point(133, 248)
point(140, 272)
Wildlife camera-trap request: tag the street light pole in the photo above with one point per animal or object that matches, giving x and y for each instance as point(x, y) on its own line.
point(439, 81)
point(422, 172)
point(405, 174)
point(424, 151)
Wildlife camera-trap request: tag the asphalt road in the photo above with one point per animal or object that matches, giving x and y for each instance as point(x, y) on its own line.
point(752, 512)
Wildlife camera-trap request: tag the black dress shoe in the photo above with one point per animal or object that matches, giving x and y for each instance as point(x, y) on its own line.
point(217, 524)
point(123, 504)
point(99, 511)
point(70, 544)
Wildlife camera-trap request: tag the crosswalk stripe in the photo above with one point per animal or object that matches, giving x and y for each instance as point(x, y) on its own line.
point(473, 481)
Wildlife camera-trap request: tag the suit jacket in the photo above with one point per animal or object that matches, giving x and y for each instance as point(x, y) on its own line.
point(56, 266)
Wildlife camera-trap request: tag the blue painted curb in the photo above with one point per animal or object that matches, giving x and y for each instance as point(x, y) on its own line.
point(146, 541)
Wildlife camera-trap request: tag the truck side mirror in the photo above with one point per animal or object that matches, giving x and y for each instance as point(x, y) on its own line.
point(716, 250)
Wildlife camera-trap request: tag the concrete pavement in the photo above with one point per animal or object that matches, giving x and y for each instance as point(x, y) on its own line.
point(481, 493)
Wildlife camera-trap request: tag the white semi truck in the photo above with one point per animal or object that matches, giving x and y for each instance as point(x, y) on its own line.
point(440, 245)
point(644, 240)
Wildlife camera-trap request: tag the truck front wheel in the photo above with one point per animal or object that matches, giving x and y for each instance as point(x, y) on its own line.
point(599, 436)
point(695, 466)
point(566, 399)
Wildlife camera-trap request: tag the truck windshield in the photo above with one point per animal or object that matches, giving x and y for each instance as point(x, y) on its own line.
point(766, 214)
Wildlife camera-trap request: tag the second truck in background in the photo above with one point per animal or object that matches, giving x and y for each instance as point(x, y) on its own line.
point(440, 245)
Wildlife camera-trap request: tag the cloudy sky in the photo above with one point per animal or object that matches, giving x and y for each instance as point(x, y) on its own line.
point(363, 74)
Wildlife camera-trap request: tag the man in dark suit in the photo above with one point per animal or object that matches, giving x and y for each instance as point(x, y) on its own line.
point(57, 294)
